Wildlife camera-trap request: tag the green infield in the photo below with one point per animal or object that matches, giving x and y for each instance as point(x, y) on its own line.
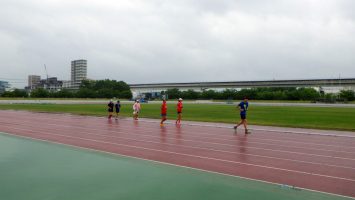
point(303, 117)
point(35, 170)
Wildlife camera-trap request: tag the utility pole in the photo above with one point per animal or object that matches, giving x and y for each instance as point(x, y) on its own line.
point(45, 68)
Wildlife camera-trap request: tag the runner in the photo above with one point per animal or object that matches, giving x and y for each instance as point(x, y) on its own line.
point(136, 109)
point(243, 107)
point(179, 111)
point(110, 109)
point(118, 107)
point(164, 109)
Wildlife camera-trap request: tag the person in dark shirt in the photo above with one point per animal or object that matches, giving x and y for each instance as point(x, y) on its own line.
point(243, 107)
point(110, 109)
point(118, 108)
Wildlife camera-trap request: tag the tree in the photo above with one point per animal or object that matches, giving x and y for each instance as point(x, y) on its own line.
point(348, 95)
point(86, 93)
point(279, 95)
point(173, 93)
point(210, 94)
point(6, 94)
point(62, 94)
point(190, 94)
point(308, 94)
point(88, 84)
point(40, 93)
point(249, 93)
point(265, 95)
point(104, 89)
point(106, 93)
point(126, 94)
point(15, 93)
point(20, 93)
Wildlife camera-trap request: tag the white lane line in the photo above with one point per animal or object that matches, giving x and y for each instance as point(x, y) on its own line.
point(228, 140)
point(264, 149)
point(193, 156)
point(166, 163)
point(263, 130)
point(285, 151)
point(230, 127)
point(150, 121)
point(307, 143)
point(125, 119)
point(201, 148)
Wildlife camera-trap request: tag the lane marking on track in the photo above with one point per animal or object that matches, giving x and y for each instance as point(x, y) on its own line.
point(189, 123)
point(217, 126)
point(231, 127)
point(201, 148)
point(194, 156)
point(166, 163)
point(263, 143)
point(222, 144)
point(275, 150)
point(264, 130)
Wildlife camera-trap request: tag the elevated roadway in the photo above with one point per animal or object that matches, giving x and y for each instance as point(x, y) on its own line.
point(348, 83)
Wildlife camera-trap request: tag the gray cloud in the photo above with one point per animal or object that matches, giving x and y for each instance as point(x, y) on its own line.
point(176, 41)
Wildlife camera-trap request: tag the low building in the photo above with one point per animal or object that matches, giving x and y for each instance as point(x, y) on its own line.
point(3, 86)
point(51, 84)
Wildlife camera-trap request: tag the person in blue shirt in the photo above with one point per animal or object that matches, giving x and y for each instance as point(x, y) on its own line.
point(243, 107)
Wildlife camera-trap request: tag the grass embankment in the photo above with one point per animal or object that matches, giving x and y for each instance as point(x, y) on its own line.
point(305, 117)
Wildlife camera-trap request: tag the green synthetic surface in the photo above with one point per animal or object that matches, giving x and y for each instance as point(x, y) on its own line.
point(35, 170)
point(288, 116)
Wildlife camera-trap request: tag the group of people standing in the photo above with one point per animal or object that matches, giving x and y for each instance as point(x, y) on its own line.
point(137, 108)
point(111, 105)
point(164, 109)
point(243, 107)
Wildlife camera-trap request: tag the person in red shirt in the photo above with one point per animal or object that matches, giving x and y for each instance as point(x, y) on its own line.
point(164, 109)
point(179, 110)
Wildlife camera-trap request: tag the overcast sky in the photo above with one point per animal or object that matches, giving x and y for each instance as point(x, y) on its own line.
point(150, 41)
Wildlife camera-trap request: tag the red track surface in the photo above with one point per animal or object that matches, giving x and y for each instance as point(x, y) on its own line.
point(317, 162)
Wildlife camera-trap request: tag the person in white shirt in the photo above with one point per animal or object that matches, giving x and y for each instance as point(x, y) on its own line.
point(136, 109)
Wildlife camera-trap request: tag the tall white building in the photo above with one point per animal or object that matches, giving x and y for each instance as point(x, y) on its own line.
point(33, 81)
point(66, 84)
point(78, 72)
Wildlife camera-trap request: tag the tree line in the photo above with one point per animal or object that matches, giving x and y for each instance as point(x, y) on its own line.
point(119, 89)
point(290, 93)
point(88, 89)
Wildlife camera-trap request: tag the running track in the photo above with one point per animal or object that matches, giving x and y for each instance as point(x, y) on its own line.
point(316, 162)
